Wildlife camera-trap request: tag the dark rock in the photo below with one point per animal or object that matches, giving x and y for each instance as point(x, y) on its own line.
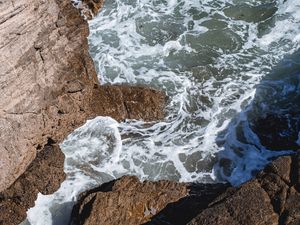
point(44, 175)
point(278, 132)
point(271, 198)
point(249, 204)
point(127, 102)
point(128, 201)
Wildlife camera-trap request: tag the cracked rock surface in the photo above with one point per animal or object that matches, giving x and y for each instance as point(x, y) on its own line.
point(128, 201)
point(49, 87)
point(125, 201)
point(272, 198)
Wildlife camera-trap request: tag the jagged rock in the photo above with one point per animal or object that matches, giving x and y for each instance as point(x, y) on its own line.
point(127, 201)
point(43, 175)
point(249, 204)
point(43, 48)
point(88, 8)
point(125, 102)
point(271, 198)
point(49, 87)
point(48, 82)
point(276, 132)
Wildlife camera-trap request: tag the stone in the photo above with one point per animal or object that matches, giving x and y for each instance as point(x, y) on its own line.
point(49, 84)
point(48, 88)
point(270, 198)
point(275, 131)
point(44, 175)
point(128, 201)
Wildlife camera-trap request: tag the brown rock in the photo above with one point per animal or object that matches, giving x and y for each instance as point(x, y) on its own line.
point(291, 214)
point(126, 201)
point(43, 48)
point(93, 5)
point(271, 198)
point(49, 87)
point(89, 8)
point(43, 175)
point(249, 205)
point(126, 102)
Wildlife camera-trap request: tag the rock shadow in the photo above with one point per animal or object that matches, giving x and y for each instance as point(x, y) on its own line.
point(187, 208)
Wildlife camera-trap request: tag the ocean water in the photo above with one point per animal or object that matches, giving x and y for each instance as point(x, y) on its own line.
point(223, 64)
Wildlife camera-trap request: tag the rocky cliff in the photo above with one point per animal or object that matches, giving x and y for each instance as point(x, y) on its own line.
point(49, 87)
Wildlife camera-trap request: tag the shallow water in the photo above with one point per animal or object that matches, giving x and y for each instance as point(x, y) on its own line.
point(221, 62)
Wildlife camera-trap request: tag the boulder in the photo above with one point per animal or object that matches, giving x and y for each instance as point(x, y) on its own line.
point(128, 201)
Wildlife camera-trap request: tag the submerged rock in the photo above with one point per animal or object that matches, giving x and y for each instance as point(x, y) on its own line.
point(278, 132)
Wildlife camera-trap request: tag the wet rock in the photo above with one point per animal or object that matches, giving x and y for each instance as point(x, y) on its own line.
point(271, 198)
point(89, 8)
point(127, 102)
point(278, 132)
point(49, 85)
point(249, 204)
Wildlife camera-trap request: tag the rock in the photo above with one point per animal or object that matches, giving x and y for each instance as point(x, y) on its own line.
point(271, 198)
point(187, 208)
point(49, 84)
point(43, 175)
point(43, 48)
point(249, 204)
point(49, 87)
point(88, 8)
point(278, 132)
point(126, 102)
point(127, 201)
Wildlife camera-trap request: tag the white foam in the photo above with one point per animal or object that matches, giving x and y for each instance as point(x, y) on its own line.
point(139, 60)
point(286, 29)
point(91, 150)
